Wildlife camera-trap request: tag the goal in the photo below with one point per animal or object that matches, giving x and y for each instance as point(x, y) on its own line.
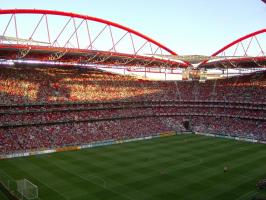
point(27, 189)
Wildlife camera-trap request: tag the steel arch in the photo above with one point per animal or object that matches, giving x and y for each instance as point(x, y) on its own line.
point(98, 57)
point(239, 40)
point(245, 60)
point(68, 14)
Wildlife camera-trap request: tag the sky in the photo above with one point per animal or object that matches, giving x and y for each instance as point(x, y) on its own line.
point(185, 26)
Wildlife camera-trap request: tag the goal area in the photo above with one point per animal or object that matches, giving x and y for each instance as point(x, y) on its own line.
point(27, 189)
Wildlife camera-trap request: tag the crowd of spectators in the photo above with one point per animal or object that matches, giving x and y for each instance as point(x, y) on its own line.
point(28, 84)
point(9, 117)
point(43, 137)
point(35, 100)
point(234, 127)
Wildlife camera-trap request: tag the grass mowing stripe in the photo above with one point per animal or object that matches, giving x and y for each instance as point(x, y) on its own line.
point(113, 183)
point(20, 172)
point(54, 165)
point(180, 167)
point(228, 156)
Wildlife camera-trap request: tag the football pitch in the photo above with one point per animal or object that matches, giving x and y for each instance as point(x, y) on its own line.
point(186, 167)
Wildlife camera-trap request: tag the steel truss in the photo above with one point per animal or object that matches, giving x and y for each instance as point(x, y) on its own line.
point(245, 52)
point(75, 43)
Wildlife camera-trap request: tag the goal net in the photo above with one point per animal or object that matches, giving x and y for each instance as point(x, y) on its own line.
point(27, 189)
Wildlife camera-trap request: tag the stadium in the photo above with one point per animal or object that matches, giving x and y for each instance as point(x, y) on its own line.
point(92, 109)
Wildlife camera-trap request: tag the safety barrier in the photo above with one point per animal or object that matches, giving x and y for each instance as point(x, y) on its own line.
point(231, 137)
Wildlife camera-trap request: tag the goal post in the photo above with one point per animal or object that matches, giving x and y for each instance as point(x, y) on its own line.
point(27, 189)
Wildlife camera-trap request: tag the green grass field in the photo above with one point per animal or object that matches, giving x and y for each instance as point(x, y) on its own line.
point(186, 167)
point(3, 197)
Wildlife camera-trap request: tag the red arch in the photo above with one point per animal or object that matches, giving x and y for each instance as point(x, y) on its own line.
point(85, 17)
point(239, 40)
point(233, 43)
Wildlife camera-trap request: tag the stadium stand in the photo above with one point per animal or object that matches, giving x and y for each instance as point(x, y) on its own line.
point(44, 107)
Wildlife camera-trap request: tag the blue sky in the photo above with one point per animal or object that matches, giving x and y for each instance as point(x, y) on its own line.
point(185, 26)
